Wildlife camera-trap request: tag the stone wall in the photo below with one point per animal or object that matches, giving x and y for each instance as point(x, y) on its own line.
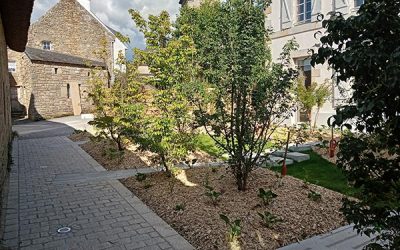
point(71, 30)
point(20, 83)
point(51, 96)
point(5, 109)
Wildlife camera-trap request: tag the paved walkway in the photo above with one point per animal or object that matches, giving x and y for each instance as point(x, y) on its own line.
point(54, 183)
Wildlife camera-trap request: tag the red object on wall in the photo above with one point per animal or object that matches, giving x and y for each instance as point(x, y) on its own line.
point(284, 169)
point(332, 148)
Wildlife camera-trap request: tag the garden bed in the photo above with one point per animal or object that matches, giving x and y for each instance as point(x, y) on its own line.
point(199, 221)
point(104, 151)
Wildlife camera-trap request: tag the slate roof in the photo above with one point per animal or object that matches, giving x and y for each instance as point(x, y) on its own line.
point(55, 57)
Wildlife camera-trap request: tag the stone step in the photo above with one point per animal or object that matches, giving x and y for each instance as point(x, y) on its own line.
point(275, 161)
point(300, 148)
point(296, 156)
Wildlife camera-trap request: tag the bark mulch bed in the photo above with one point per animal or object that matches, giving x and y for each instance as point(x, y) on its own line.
point(104, 151)
point(199, 221)
point(324, 153)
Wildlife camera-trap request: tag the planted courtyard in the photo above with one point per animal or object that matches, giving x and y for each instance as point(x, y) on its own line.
point(215, 96)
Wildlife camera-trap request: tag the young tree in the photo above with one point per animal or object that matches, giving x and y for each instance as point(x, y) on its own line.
point(168, 126)
point(118, 109)
point(322, 93)
point(364, 49)
point(245, 95)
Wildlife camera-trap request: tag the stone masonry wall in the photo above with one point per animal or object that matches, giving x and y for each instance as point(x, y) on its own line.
point(71, 30)
point(5, 109)
point(49, 97)
point(21, 82)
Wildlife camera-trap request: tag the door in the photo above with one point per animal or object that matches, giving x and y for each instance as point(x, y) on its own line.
point(76, 98)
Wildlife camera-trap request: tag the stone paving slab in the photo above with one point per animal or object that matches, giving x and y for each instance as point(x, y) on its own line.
point(296, 156)
point(339, 239)
point(102, 213)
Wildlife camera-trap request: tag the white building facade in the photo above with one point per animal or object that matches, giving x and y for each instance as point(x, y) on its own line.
point(299, 19)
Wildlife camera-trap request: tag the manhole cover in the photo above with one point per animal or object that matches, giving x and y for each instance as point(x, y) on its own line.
point(64, 230)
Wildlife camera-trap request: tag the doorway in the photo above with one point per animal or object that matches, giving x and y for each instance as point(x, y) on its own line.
point(76, 98)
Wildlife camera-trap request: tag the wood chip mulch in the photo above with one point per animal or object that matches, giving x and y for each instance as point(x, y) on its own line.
point(200, 224)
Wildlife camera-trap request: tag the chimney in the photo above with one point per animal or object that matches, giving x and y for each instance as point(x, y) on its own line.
point(85, 3)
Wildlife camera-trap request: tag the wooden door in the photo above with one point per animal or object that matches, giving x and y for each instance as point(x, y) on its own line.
point(76, 98)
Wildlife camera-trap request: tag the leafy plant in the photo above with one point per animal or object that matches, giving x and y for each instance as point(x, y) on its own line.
point(168, 129)
point(235, 228)
point(179, 207)
point(240, 93)
point(364, 51)
point(314, 196)
point(118, 108)
point(214, 196)
point(140, 177)
point(269, 219)
point(266, 196)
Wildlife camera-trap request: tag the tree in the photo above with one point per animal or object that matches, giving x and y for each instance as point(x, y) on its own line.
point(322, 93)
point(312, 96)
point(118, 109)
point(167, 129)
point(244, 94)
point(364, 49)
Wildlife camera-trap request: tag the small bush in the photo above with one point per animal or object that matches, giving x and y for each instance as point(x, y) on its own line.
point(179, 207)
point(266, 196)
point(314, 196)
point(268, 219)
point(214, 196)
point(234, 228)
point(140, 177)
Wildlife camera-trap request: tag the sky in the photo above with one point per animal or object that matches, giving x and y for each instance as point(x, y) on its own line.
point(114, 13)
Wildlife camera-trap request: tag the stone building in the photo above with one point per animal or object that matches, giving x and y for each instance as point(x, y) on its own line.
point(298, 19)
point(14, 23)
point(50, 78)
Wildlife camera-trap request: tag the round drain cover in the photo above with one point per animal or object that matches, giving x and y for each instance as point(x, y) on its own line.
point(64, 230)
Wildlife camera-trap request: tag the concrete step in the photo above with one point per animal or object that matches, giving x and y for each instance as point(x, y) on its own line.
point(275, 161)
point(296, 156)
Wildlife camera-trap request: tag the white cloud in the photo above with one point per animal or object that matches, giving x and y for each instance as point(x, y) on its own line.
point(114, 13)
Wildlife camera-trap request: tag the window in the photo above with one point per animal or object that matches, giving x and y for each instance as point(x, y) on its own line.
point(304, 9)
point(68, 91)
point(358, 3)
point(46, 45)
point(55, 70)
point(12, 66)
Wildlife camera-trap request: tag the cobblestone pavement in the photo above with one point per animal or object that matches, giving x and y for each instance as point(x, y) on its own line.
point(100, 211)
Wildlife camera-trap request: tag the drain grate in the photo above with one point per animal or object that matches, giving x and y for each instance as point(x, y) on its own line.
point(64, 230)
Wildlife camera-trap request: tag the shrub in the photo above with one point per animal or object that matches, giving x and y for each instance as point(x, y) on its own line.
point(266, 196)
point(234, 228)
point(268, 219)
point(314, 196)
point(214, 196)
point(140, 177)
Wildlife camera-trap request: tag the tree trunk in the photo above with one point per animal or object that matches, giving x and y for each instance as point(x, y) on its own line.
point(315, 118)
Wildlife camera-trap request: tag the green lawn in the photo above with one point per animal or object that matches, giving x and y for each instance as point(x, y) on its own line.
point(205, 143)
point(321, 172)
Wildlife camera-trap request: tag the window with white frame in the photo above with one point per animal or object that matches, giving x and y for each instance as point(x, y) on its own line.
point(304, 9)
point(12, 66)
point(46, 45)
point(358, 3)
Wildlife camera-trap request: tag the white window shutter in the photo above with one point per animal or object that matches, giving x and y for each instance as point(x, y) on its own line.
point(286, 14)
point(316, 10)
point(342, 6)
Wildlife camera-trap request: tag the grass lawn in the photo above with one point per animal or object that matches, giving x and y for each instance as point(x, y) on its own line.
point(207, 144)
point(321, 172)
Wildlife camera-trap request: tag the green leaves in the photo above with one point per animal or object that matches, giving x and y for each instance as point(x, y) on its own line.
point(235, 228)
point(244, 92)
point(266, 196)
point(268, 219)
point(364, 50)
